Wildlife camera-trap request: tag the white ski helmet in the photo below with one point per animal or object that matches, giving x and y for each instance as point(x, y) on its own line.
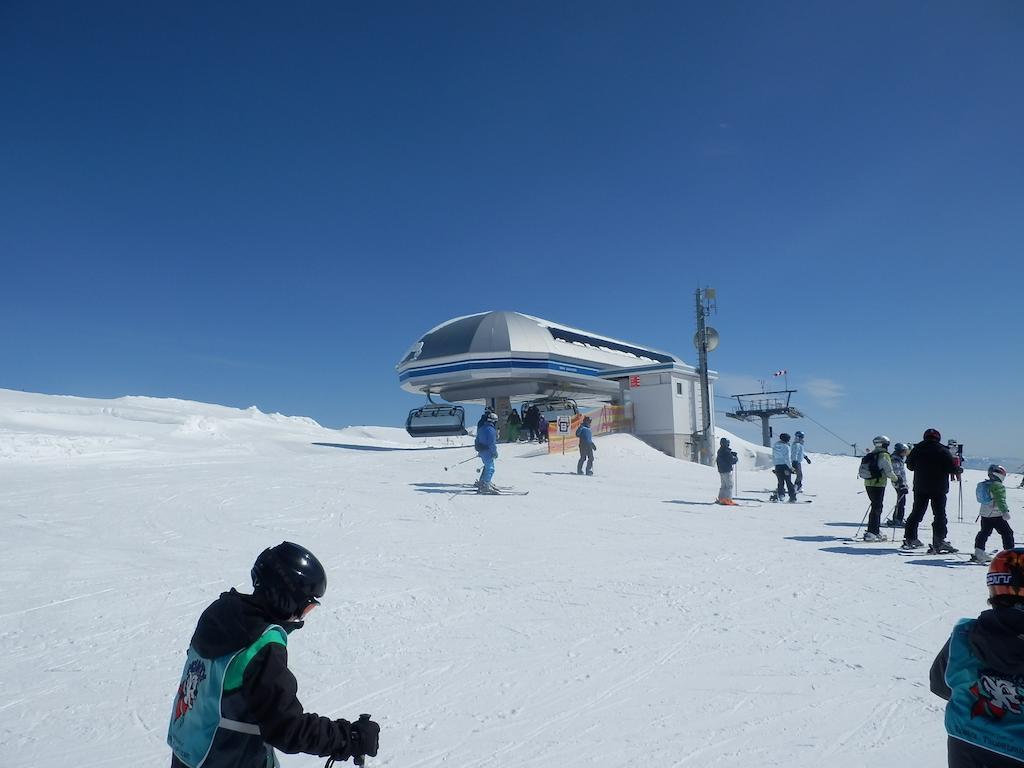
point(492, 416)
point(901, 448)
point(996, 472)
point(880, 440)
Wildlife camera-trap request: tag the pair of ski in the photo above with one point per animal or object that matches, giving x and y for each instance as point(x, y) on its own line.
point(503, 490)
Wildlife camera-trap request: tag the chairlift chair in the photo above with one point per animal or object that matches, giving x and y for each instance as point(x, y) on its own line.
point(436, 420)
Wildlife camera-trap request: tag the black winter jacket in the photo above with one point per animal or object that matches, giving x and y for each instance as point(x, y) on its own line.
point(998, 640)
point(932, 464)
point(235, 621)
point(725, 458)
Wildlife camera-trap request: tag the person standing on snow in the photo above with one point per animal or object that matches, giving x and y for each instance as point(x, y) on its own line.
point(486, 445)
point(932, 465)
point(782, 456)
point(512, 426)
point(899, 468)
point(876, 470)
point(798, 457)
point(542, 428)
point(994, 513)
point(725, 460)
point(530, 419)
point(587, 447)
point(979, 672)
point(236, 700)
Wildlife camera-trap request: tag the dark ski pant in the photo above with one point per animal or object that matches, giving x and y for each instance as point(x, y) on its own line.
point(901, 508)
point(921, 499)
point(989, 524)
point(587, 455)
point(785, 484)
point(960, 754)
point(876, 493)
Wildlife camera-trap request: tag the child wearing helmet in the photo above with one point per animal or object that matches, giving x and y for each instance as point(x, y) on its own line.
point(980, 673)
point(487, 449)
point(236, 701)
point(899, 468)
point(994, 513)
point(798, 458)
point(879, 473)
point(725, 459)
point(782, 458)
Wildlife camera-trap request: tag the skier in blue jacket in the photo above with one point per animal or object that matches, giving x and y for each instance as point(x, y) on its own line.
point(782, 457)
point(487, 448)
point(587, 447)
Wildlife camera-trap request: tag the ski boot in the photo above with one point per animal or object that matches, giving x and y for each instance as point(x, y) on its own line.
point(774, 496)
point(981, 556)
point(941, 548)
point(911, 544)
point(488, 489)
point(890, 523)
point(874, 537)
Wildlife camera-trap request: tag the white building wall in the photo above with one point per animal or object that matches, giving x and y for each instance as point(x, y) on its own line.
point(666, 411)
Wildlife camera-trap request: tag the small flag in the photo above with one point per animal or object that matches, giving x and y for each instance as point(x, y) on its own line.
point(783, 372)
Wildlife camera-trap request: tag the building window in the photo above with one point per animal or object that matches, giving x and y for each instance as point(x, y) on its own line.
point(679, 387)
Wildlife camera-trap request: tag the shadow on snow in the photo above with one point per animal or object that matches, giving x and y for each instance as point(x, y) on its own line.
point(355, 447)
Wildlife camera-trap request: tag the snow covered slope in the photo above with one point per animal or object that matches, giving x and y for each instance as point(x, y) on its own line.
point(616, 620)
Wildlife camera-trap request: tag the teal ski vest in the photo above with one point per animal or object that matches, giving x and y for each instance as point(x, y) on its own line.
point(987, 706)
point(197, 714)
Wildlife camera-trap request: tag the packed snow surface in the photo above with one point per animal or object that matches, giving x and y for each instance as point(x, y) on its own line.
point(615, 620)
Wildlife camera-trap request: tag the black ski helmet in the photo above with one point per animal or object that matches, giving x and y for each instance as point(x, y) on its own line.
point(287, 578)
point(784, 437)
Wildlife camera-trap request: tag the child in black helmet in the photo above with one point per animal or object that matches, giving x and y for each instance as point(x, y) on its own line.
point(236, 701)
point(980, 672)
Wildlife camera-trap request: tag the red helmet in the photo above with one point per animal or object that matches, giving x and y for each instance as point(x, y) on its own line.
point(1006, 573)
point(932, 434)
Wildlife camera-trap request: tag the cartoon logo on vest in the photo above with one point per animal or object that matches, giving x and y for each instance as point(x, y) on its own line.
point(997, 696)
point(195, 673)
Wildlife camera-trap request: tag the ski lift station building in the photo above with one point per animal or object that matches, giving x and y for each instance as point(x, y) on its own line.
point(493, 358)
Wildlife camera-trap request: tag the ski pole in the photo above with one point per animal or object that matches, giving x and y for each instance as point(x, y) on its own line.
point(459, 462)
point(961, 512)
point(361, 758)
point(862, 520)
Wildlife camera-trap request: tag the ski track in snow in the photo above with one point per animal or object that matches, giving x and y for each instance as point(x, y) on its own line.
point(607, 620)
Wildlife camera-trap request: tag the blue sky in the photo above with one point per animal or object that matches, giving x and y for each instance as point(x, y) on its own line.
point(256, 203)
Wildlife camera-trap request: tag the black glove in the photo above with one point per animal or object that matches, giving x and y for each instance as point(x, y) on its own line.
point(796, 465)
point(365, 737)
point(807, 459)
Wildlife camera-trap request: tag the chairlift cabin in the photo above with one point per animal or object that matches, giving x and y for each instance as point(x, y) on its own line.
point(436, 421)
point(553, 407)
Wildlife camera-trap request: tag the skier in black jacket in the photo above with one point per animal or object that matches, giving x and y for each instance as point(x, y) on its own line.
point(724, 460)
point(980, 672)
point(237, 699)
point(932, 465)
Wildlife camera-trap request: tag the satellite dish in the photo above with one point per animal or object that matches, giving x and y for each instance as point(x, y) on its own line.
point(711, 338)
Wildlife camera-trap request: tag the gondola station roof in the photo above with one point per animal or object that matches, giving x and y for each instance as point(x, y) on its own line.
point(510, 354)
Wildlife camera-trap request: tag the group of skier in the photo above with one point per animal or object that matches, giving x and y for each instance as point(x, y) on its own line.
point(788, 458)
point(934, 465)
point(236, 700)
point(486, 445)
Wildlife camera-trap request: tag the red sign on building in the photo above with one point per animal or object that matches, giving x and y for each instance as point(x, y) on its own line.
point(634, 381)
